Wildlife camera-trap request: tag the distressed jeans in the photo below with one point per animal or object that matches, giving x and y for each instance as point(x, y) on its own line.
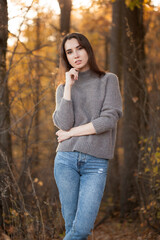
point(80, 179)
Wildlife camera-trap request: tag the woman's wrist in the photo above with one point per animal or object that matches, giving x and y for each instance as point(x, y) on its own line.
point(71, 132)
point(82, 130)
point(68, 85)
point(67, 92)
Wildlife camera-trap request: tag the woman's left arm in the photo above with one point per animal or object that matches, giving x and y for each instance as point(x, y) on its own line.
point(86, 129)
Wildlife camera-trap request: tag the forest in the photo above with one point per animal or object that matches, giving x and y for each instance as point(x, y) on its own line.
point(125, 35)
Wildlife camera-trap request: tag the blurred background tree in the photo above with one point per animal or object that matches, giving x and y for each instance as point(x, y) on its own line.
point(5, 137)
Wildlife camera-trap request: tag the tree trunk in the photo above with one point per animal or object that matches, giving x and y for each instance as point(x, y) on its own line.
point(115, 57)
point(135, 100)
point(115, 66)
point(5, 138)
point(65, 6)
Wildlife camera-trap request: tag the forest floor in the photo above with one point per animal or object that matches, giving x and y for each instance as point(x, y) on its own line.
point(109, 229)
point(112, 229)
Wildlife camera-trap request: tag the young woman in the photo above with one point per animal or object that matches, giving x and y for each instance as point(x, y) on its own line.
point(88, 107)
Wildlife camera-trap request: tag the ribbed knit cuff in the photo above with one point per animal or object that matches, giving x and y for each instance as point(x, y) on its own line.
point(99, 125)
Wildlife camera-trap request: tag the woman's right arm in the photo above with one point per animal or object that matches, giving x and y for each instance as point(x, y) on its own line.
point(63, 116)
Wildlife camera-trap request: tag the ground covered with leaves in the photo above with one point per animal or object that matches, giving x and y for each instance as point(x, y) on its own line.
point(112, 229)
point(106, 228)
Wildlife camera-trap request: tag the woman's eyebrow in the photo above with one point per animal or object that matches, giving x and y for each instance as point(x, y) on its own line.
point(68, 50)
point(78, 46)
point(71, 49)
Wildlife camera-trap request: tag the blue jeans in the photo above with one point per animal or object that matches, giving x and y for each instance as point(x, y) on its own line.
point(80, 179)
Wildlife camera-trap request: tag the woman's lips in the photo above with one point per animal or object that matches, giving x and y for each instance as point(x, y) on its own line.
point(78, 62)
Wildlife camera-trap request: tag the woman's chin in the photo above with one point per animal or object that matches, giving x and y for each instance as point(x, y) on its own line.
point(83, 69)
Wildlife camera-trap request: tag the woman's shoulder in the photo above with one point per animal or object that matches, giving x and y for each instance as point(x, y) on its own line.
point(110, 79)
point(110, 75)
point(60, 87)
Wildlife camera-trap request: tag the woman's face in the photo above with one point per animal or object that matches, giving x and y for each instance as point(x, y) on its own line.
point(76, 55)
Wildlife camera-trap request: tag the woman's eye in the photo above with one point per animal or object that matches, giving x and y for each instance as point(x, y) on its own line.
point(69, 52)
point(80, 48)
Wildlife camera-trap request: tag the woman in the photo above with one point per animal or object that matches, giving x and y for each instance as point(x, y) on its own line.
point(88, 107)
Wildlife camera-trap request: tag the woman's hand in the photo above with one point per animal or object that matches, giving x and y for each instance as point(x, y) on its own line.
point(62, 135)
point(71, 76)
point(82, 130)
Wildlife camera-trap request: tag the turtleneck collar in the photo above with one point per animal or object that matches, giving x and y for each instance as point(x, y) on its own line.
point(84, 74)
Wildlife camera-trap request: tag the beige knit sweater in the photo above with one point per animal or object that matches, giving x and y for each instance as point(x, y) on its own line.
point(93, 99)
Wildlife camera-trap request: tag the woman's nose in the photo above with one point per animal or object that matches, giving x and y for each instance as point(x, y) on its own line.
point(76, 55)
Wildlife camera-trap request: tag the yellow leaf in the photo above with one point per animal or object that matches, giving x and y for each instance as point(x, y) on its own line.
point(158, 215)
point(40, 183)
point(155, 170)
point(147, 170)
point(157, 155)
point(36, 180)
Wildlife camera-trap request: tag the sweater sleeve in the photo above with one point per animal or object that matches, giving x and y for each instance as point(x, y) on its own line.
point(112, 107)
point(63, 116)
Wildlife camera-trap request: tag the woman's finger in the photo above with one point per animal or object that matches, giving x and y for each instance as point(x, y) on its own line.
point(58, 132)
point(74, 73)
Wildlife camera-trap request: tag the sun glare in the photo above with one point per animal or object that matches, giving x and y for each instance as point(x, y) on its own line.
point(16, 12)
point(82, 3)
point(156, 3)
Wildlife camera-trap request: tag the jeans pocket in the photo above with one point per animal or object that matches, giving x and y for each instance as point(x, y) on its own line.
point(96, 165)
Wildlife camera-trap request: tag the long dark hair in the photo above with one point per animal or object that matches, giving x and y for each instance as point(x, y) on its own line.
point(83, 41)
